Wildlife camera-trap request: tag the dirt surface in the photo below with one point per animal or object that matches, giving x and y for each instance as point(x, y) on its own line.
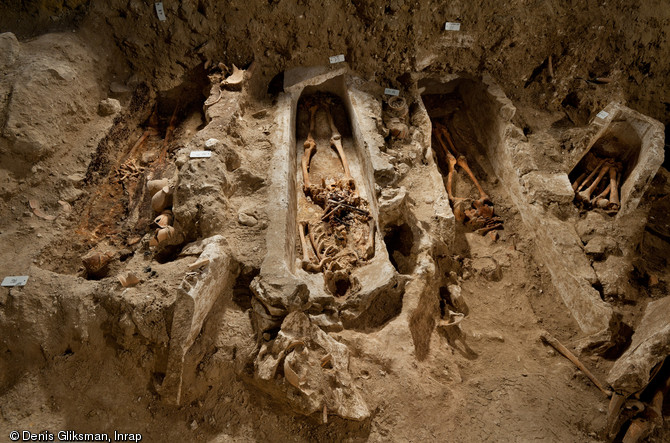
point(99, 98)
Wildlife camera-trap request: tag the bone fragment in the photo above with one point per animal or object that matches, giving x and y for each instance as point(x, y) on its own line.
point(570, 356)
point(370, 250)
point(325, 414)
point(463, 163)
point(65, 206)
point(315, 244)
point(325, 360)
point(35, 206)
point(234, 80)
point(454, 319)
point(605, 193)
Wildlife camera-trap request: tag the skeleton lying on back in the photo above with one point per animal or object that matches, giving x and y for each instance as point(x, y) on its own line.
point(343, 237)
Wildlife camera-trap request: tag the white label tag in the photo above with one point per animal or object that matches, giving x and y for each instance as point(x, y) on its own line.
point(452, 26)
point(602, 115)
point(19, 280)
point(160, 12)
point(336, 58)
point(201, 154)
point(389, 91)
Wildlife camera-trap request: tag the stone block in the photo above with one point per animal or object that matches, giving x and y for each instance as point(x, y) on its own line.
point(650, 346)
point(195, 299)
point(546, 188)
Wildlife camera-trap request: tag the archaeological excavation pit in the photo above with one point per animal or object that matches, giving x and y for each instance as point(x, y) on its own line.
point(278, 221)
point(132, 163)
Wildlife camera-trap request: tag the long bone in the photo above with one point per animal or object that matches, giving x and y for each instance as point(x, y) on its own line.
point(601, 200)
point(457, 202)
point(586, 194)
point(451, 163)
point(336, 142)
point(314, 244)
point(614, 185)
point(463, 163)
point(591, 175)
point(310, 147)
point(578, 182)
point(303, 243)
point(604, 194)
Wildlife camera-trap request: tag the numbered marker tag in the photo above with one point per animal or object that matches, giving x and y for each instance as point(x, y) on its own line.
point(160, 12)
point(452, 26)
point(336, 59)
point(201, 154)
point(602, 115)
point(389, 91)
point(19, 280)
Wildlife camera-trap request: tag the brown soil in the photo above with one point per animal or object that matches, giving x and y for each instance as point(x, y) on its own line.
point(80, 352)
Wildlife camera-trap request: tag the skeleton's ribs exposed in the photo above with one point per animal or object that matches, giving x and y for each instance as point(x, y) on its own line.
point(310, 147)
point(336, 142)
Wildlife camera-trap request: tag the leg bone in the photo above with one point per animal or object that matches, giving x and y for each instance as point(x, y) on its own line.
point(614, 187)
point(451, 162)
point(303, 243)
point(463, 163)
point(336, 142)
point(586, 194)
point(578, 182)
point(310, 148)
point(591, 175)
